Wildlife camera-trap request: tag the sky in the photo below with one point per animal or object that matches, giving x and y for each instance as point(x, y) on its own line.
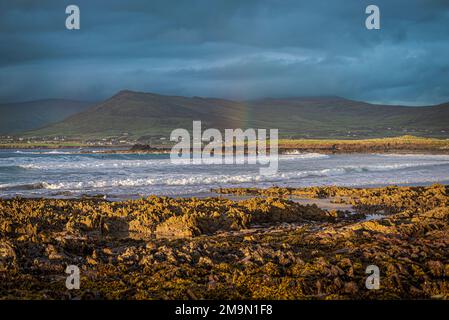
point(226, 48)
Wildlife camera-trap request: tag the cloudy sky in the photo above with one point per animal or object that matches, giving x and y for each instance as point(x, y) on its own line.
point(226, 48)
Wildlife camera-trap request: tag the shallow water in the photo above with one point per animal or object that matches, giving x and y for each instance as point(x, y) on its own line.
point(68, 173)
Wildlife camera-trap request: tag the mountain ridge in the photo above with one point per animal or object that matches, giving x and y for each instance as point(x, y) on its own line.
point(146, 114)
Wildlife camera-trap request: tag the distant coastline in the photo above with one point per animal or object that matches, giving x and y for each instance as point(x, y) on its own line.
point(402, 144)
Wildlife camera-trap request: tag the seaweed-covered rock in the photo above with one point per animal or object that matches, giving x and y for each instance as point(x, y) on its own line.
point(8, 258)
point(265, 247)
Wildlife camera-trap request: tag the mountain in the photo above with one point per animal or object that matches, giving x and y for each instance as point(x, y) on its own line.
point(146, 114)
point(23, 116)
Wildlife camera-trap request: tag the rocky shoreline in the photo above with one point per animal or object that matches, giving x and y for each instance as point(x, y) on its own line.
point(263, 247)
point(324, 147)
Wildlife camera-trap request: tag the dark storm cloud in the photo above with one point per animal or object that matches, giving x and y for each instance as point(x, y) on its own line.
point(234, 49)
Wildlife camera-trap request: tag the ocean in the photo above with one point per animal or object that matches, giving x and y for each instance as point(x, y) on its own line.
point(70, 174)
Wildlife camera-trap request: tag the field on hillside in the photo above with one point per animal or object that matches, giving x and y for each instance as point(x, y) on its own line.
point(393, 144)
point(403, 143)
point(44, 145)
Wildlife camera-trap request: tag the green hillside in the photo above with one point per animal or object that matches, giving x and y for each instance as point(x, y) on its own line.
point(146, 114)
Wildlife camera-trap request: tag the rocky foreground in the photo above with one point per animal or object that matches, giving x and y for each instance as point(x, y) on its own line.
point(265, 247)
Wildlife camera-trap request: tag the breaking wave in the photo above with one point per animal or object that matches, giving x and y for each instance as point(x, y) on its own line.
point(300, 155)
point(114, 164)
point(205, 179)
point(95, 163)
point(51, 152)
point(55, 174)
